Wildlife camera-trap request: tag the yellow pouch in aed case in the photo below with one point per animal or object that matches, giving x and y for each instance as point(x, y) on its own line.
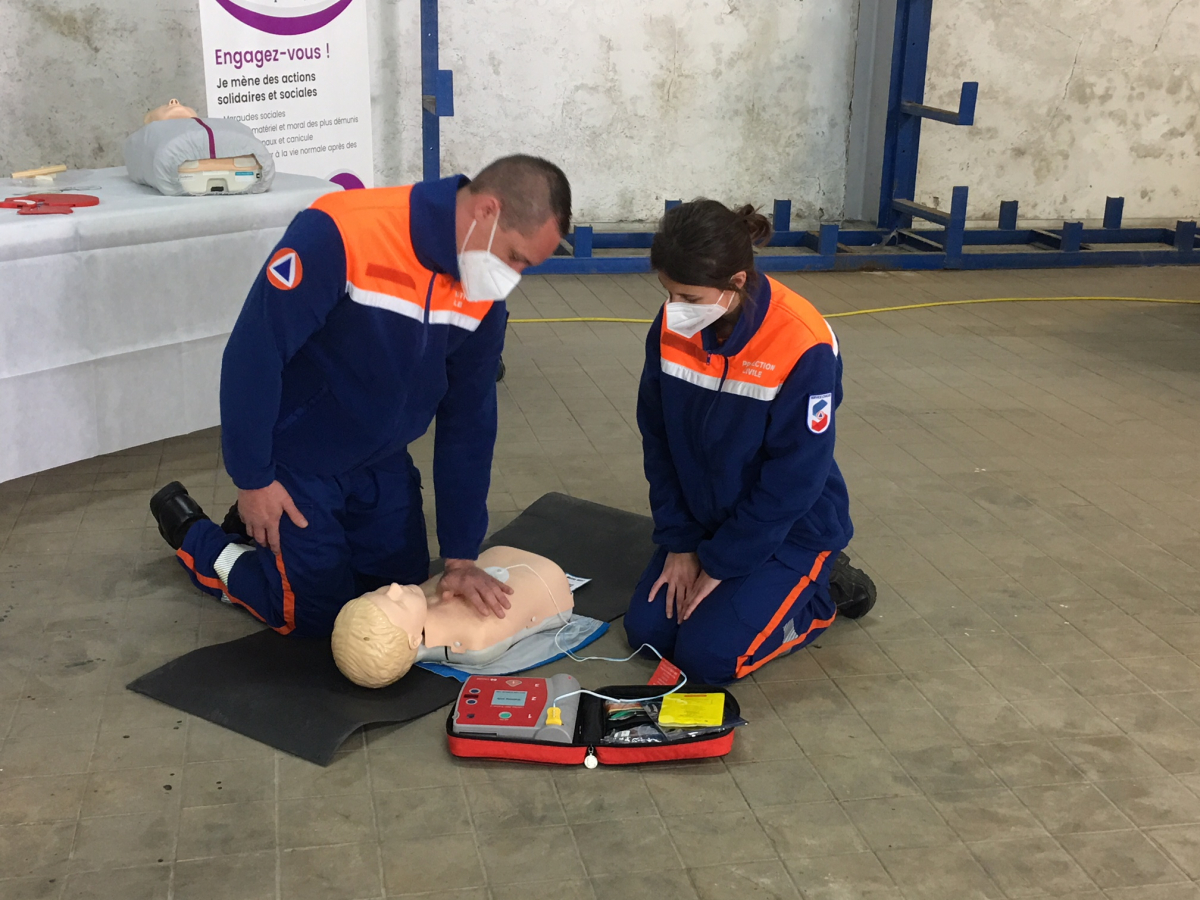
point(683, 710)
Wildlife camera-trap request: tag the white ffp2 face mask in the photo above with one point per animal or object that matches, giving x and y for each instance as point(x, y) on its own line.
point(485, 276)
point(687, 319)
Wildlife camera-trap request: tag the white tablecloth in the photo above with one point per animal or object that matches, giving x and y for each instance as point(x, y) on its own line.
point(113, 319)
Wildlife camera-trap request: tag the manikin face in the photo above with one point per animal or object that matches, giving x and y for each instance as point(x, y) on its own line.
point(172, 109)
point(405, 606)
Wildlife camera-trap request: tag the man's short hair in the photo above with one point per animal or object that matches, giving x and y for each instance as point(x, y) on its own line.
point(530, 189)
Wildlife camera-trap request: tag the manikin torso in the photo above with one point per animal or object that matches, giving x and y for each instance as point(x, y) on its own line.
point(173, 109)
point(540, 592)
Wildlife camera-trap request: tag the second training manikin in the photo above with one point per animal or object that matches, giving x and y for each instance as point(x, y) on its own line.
point(379, 636)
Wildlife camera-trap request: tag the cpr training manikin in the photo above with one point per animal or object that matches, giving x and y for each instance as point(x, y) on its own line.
point(379, 636)
point(177, 153)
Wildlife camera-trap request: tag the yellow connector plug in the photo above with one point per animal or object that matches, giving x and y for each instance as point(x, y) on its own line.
point(553, 716)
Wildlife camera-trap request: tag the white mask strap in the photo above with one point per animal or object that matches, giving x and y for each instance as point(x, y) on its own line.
point(467, 239)
point(493, 237)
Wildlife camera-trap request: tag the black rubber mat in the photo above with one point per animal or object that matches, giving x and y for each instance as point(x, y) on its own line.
point(288, 693)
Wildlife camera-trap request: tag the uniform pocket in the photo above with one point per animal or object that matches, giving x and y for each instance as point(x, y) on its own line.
point(301, 411)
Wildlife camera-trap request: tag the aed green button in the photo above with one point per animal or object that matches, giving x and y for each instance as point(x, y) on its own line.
point(506, 715)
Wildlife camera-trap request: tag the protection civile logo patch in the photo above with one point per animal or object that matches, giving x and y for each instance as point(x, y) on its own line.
point(820, 412)
point(284, 270)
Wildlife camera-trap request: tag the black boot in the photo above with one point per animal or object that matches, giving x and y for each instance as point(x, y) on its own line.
point(175, 511)
point(852, 589)
point(233, 524)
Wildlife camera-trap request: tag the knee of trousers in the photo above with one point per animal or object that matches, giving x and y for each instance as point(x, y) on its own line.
point(703, 659)
point(645, 623)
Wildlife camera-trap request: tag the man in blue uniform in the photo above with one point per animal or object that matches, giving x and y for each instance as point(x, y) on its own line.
point(379, 310)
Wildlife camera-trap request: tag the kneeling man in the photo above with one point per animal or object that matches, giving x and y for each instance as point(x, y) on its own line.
point(379, 310)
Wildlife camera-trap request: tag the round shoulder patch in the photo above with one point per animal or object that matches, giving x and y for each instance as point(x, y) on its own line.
point(284, 270)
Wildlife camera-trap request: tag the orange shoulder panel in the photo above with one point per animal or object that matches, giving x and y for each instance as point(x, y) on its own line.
point(382, 267)
point(687, 352)
point(801, 312)
point(790, 329)
point(380, 260)
point(792, 326)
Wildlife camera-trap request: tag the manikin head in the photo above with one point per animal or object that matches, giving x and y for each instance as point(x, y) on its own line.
point(172, 109)
point(376, 636)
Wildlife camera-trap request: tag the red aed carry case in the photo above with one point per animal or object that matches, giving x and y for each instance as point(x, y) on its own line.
point(589, 732)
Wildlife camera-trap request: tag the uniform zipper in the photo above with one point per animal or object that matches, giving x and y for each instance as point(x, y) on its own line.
point(428, 307)
point(709, 480)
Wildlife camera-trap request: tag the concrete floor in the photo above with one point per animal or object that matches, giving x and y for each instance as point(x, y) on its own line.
point(1019, 717)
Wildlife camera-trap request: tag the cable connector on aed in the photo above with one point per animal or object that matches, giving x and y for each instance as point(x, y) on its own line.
point(553, 715)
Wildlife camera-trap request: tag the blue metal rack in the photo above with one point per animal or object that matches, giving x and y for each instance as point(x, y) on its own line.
point(437, 93)
point(895, 243)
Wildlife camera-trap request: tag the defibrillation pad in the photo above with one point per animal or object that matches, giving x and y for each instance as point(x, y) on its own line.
point(523, 709)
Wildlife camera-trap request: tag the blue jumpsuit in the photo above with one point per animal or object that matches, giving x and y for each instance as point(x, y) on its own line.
point(737, 441)
point(354, 336)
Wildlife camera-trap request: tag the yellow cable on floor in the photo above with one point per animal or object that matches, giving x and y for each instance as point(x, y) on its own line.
point(881, 309)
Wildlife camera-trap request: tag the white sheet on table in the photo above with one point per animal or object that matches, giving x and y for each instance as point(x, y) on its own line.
point(113, 318)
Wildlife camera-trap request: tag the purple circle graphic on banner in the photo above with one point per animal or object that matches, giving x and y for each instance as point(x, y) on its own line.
point(271, 23)
point(348, 180)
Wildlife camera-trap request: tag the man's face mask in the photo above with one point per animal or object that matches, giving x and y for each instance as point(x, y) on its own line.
point(686, 319)
point(484, 275)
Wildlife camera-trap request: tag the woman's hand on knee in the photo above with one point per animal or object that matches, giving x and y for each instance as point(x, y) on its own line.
point(704, 585)
point(678, 575)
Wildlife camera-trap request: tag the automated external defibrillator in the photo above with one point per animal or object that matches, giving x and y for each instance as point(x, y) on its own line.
point(554, 720)
point(520, 708)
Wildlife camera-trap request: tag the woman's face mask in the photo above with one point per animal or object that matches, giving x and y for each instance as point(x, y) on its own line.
point(687, 319)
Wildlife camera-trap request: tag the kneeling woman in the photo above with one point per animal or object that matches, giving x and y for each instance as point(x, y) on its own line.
point(736, 409)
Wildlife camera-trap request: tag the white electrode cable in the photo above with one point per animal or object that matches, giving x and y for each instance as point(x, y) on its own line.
point(567, 652)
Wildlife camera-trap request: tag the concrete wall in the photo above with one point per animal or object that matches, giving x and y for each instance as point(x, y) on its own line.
point(77, 77)
point(744, 100)
point(1077, 101)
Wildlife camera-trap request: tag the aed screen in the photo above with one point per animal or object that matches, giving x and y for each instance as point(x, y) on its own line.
point(509, 698)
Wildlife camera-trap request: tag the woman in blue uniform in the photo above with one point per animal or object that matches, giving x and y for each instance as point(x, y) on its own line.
point(737, 413)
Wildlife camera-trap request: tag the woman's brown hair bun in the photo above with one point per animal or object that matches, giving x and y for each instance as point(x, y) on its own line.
point(707, 243)
point(759, 225)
